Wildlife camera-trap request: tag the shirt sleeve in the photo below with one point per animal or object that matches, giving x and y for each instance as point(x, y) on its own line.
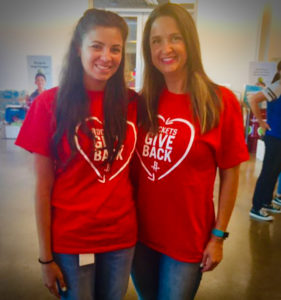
point(38, 127)
point(232, 148)
point(273, 91)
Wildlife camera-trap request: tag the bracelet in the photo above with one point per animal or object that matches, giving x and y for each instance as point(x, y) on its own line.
point(45, 262)
point(219, 233)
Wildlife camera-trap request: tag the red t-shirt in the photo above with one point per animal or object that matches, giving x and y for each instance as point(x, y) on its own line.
point(175, 175)
point(92, 208)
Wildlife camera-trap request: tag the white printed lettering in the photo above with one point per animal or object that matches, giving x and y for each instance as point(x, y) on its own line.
point(98, 142)
point(97, 155)
point(100, 155)
point(145, 150)
point(119, 155)
point(148, 139)
point(153, 152)
point(105, 155)
point(170, 142)
point(162, 139)
point(167, 156)
point(159, 156)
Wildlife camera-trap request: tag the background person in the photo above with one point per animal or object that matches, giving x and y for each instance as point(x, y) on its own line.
point(271, 167)
point(40, 81)
point(190, 128)
point(277, 199)
point(83, 135)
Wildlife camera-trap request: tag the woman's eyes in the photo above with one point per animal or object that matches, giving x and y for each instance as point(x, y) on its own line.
point(174, 38)
point(99, 47)
point(156, 41)
point(116, 50)
point(96, 46)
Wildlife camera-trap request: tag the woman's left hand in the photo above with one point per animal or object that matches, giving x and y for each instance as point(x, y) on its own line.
point(212, 255)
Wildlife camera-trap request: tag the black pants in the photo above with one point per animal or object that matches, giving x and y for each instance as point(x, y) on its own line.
point(270, 170)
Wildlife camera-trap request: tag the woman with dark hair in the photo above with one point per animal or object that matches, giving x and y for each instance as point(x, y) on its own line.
point(277, 75)
point(190, 127)
point(83, 135)
point(40, 81)
point(271, 167)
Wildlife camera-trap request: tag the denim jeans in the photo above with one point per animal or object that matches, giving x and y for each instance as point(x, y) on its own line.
point(157, 276)
point(106, 279)
point(279, 185)
point(271, 168)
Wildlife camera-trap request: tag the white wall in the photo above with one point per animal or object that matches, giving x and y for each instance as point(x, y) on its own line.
point(229, 32)
point(34, 27)
point(274, 51)
point(228, 29)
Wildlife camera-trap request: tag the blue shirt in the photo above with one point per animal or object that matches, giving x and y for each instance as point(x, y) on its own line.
point(273, 95)
point(33, 96)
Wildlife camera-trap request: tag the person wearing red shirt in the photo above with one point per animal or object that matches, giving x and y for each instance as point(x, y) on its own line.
point(189, 128)
point(83, 135)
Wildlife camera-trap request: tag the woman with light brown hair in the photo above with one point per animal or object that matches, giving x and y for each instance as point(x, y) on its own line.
point(189, 128)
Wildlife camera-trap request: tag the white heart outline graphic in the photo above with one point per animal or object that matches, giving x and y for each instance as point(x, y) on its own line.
point(102, 178)
point(192, 135)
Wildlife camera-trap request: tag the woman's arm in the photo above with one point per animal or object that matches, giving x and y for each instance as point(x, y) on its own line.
point(229, 179)
point(254, 104)
point(44, 171)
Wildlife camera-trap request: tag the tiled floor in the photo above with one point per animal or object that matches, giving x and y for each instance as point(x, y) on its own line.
point(251, 268)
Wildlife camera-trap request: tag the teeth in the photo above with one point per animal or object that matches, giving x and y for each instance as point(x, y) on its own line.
point(103, 67)
point(167, 59)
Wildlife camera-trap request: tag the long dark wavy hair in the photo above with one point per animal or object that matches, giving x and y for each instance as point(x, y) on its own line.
point(277, 75)
point(72, 103)
point(205, 99)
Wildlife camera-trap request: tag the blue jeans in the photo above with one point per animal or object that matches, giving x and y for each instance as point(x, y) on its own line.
point(106, 279)
point(157, 276)
point(279, 185)
point(271, 168)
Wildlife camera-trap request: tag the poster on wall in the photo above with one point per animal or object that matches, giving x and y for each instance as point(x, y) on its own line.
point(261, 73)
point(41, 64)
point(249, 91)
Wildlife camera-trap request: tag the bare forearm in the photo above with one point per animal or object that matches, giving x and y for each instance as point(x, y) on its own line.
point(229, 180)
point(43, 221)
point(45, 177)
point(44, 184)
point(213, 252)
point(256, 111)
point(254, 104)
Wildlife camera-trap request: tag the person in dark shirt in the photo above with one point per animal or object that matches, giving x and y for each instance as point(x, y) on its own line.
point(271, 168)
point(40, 81)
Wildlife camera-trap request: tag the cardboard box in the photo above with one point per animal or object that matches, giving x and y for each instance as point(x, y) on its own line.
point(12, 131)
point(260, 150)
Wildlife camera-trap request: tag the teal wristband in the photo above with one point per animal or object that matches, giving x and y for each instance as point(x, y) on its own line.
point(219, 233)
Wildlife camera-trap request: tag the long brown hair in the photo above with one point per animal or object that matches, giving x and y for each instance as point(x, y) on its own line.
point(205, 98)
point(277, 75)
point(72, 105)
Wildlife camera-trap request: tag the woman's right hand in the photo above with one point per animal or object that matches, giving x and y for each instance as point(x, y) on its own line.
point(51, 275)
point(264, 126)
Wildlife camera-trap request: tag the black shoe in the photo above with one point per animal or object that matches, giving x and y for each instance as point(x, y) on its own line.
point(261, 215)
point(272, 209)
point(277, 200)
